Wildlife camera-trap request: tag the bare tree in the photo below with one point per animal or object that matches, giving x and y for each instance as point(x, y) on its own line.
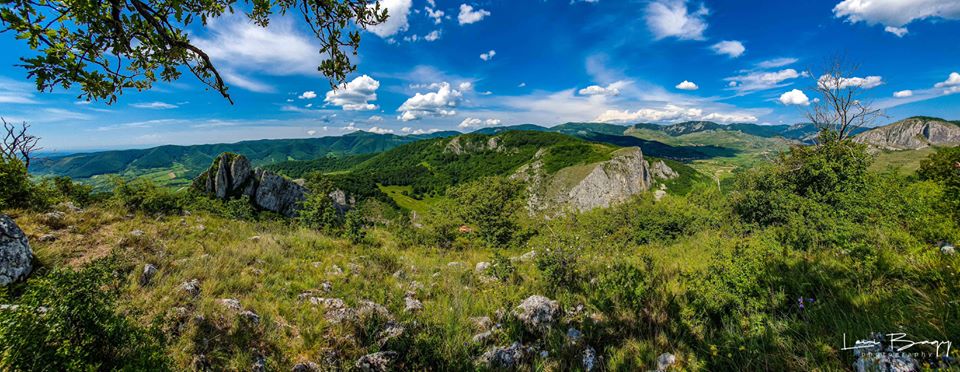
point(841, 106)
point(17, 143)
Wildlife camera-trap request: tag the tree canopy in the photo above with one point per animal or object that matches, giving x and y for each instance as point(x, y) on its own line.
point(112, 45)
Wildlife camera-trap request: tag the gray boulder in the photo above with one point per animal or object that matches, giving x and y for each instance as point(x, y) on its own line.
point(231, 176)
point(503, 358)
point(665, 360)
point(149, 271)
point(15, 254)
point(661, 170)
point(537, 313)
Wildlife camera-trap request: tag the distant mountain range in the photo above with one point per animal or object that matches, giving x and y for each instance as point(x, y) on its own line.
point(652, 138)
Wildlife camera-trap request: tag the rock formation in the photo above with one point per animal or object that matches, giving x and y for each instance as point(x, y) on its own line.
point(16, 258)
point(232, 176)
point(912, 134)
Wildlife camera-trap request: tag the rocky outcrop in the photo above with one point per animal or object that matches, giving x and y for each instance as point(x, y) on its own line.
point(912, 134)
point(662, 171)
point(583, 188)
point(464, 145)
point(231, 176)
point(16, 258)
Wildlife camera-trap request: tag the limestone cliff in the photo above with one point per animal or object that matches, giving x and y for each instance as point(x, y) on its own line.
point(912, 134)
point(232, 176)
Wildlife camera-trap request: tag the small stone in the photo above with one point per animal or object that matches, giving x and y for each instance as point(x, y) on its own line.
point(390, 331)
point(191, 287)
point(574, 335)
point(259, 363)
point(482, 266)
point(136, 233)
point(455, 264)
point(537, 312)
point(326, 286)
point(251, 317)
point(503, 358)
point(46, 238)
point(412, 305)
point(376, 362)
point(230, 303)
point(335, 270)
point(589, 359)
point(947, 248)
point(149, 271)
point(305, 367)
point(255, 238)
point(54, 219)
point(665, 360)
point(200, 228)
point(525, 257)
point(544, 354)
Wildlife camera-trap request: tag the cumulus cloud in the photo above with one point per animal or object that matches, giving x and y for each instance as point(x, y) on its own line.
point(687, 85)
point(762, 80)
point(396, 22)
point(443, 102)
point(795, 98)
point(155, 105)
point(379, 130)
point(355, 95)
point(952, 81)
point(432, 36)
point(672, 18)
point(899, 31)
point(308, 95)
point(470, 15)
point(868, 82)
point(903, 94)
point(731, 48)
point(672, 113)
point(610, 90)
point(895, 13)
point(488, 55)
point(478, 123)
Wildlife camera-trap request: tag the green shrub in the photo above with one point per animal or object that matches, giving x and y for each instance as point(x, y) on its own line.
point(15, 190)
point(144, 195)
point(560, 267)
point(67, 321)
point(353, 227)
point(492, 205)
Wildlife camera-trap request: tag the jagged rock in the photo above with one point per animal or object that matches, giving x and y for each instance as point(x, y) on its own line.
point(911, 134)
point(589, 359)
point(16, 258)
point(461, 145)
point(537, 312)
point(232, 176)
point(341, 202)
point(191, 287)
point(506, 358)
point(377, 362)
point(305, 367)
point(665, 360)
point(661, 170)
point(336, 310)
point(230, 303)
point(149, 271)
point(367, 309)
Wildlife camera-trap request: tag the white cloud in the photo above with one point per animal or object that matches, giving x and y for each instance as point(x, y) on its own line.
point(468, 15)
point(432, 36)
point(355, 95)
point(488, 55)
point(687, 85)
point(308, 95)
point(465, 86)
point(436, 14)
point(731, 48)
point(12, 91)
point(671, 18)
point(899, 31)
point(673, 113)
point(157, 105)
point(375, 118)
point(311, 132)
point(397, 10)
point(239, 47)
point(521, 85)
point(952, 81)
point(762, 80)
point(777, 62)
point(868, 82)
point(795, 98)
point(610, 90)
point(903, 94)
point(379, 130)
point(896, 13)
point(478, 123)
point(443, 102)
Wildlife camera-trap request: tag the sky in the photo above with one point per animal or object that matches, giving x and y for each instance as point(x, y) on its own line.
point(456, 65)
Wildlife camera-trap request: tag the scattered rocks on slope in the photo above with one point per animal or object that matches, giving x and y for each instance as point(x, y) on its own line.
point(377, 362)
point(412, 305)
point(55, 219)
point(232, 176)
point(231, 303)
point(191, 287)
point(250, 317)
point(15, 254)
point(305, 367)
point(149, 271)
point(537, 313)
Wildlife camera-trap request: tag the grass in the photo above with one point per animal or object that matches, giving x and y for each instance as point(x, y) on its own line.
point(903, 162)
point(401, 196)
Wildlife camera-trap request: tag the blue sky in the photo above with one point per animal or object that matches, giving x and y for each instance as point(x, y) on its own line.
point(499, 62)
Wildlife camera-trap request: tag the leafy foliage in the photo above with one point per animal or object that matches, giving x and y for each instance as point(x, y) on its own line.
point(490, 204)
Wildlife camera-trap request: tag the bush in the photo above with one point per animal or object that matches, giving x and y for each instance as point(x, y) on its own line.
point(15, 190)
point(560, 267)
point(67, 320)
point(353, 227)
point(492, 205)
point(143, 195)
